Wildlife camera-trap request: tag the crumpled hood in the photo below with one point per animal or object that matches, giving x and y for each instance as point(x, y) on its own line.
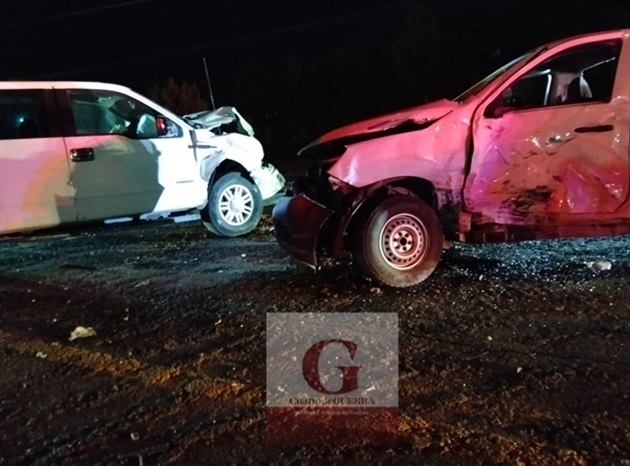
point(221, 116)
point(415, 117)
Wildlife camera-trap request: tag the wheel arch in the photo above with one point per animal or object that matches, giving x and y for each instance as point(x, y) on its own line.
point(229, 166)
point(367, 198)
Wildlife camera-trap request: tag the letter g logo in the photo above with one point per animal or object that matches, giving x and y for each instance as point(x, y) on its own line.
point(310, 368)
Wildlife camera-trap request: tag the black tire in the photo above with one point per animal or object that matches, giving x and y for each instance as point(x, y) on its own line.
point(399, 242)
point(234, 206)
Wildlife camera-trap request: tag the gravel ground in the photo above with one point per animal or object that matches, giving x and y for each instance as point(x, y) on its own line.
point(509, 354)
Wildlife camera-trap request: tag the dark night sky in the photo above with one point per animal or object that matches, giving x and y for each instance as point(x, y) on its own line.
point(128, 40)
point(135, 42)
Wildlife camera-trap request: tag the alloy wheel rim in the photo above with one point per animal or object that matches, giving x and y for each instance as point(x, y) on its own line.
point(236, 205)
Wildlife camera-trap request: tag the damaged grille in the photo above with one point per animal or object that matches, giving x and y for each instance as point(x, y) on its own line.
point(316, 185)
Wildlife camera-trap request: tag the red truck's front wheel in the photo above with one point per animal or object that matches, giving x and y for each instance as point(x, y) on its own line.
point(400, 241)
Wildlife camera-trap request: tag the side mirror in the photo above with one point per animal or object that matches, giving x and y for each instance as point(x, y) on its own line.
point(503, 104)
point(500, 111)
point(162, 125)
point(495, 109)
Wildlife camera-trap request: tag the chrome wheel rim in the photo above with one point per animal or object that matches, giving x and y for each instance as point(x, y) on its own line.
point(236, 205)
point(403, 241)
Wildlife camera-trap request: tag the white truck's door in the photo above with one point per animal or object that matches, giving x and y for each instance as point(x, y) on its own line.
point(35, 189)
point(119, 165)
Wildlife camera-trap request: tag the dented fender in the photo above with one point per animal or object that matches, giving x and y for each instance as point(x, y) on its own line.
point(436, 153)
point(245, 150)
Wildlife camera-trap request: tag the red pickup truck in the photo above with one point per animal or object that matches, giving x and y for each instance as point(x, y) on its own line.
point(538, 149)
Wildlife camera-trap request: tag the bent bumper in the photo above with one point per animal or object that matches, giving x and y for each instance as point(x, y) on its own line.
point(298, 223)
point(269, 181)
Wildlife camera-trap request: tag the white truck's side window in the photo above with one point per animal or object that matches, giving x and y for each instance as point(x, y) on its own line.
point(22, 114)
point(105, 112)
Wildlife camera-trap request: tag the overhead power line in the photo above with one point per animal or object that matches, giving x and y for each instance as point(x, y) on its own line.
point(72, 13)
point(248, 38)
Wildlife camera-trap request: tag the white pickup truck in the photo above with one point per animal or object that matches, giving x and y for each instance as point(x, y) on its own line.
point(83, 151)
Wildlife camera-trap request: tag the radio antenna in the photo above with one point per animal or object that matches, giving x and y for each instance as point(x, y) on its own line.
point(205, 67)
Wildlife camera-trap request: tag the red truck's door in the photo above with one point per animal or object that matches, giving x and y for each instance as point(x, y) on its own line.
point(554, 139)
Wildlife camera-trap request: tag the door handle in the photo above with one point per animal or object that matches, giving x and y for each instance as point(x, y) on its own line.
point(82, 155)
point(594, 129)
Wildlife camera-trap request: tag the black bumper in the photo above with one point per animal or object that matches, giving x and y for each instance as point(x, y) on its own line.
point(298, 224)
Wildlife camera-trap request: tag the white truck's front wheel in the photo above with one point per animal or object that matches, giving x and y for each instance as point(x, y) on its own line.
point(234, 206)
point(399, 242)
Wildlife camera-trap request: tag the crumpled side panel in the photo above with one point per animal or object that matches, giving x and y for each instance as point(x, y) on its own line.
point(245, 150)
point(557, 160)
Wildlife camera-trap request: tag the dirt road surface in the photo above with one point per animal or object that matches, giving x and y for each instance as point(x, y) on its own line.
point(509, 354)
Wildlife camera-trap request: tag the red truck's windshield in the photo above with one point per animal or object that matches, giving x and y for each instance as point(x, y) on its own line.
point(490, 78)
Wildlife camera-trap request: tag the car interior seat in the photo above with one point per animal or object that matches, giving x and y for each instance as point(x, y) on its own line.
point(578, 90)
